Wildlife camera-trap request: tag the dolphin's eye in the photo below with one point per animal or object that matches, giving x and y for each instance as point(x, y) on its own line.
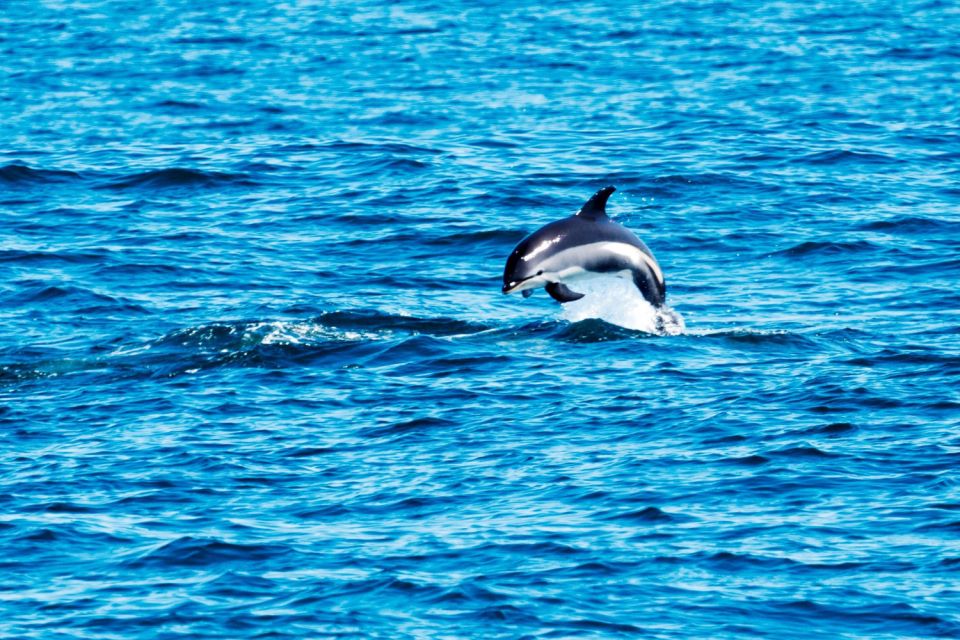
point(540, 273)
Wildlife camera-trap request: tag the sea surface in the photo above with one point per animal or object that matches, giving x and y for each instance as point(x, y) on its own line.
point(258, 379)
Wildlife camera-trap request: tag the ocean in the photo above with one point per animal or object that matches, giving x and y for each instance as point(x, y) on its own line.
point(258, 378)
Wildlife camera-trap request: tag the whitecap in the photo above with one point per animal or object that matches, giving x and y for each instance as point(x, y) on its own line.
point(617, 301)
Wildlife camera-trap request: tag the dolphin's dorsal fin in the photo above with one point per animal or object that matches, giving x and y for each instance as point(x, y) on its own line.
point(596, 207)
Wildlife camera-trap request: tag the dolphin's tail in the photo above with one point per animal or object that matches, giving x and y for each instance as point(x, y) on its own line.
point(653, 291)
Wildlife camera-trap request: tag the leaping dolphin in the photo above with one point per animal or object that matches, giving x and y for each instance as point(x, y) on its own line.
point(586, 244)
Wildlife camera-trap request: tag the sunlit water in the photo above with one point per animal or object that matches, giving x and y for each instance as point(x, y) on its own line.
point(257, 377)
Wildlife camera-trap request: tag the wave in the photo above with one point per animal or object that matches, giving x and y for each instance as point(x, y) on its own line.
point(844, 156)
point(765, 338)
point(391, 165)
point(179, 104)
point(380, 321)
point(910, 224)
point(179, 177)
point(199, 552)
point(22, 174)
point(618, 302)
point(825, 248)
point(232, 39)
point(27, 256)
point(650, 515)
point(396, 148)
point(497, 237)
point(338, 338)
point(36, 292)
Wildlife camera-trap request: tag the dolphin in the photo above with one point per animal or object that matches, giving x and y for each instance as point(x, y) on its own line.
point(586, 244)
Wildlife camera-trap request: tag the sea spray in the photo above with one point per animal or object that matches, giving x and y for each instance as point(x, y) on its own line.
point(617, 301)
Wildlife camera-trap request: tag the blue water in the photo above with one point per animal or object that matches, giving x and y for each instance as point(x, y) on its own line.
point(257, 378)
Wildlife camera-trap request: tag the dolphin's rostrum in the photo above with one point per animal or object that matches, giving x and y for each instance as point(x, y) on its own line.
point(585, 244)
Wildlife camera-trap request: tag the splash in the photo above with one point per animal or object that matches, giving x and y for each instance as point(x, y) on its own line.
point(618, 302)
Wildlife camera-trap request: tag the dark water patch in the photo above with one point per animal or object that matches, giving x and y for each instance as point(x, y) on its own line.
point(42, 257)
point(369, 319)
point(514, 200)
point(227, 40)
point(931, 268)
point(764, 339)
point(50, 294)
point(56, 536)
point(702, 179)
point(309, 452)
point(897, 617)
point(947, 362)
point(832, 430)
point(415, 507)
point(138, 269)
point(255, 168)
point(944, 405)
point(18, 202)
point(406, 427)
point(267, 345)
point(493, 237)
point(113, 309)
point(276, 357)
point(393, 166)
point(593, 330)
point(39, 535)
point(230, 124)
point(179, 104)
point(236, 584)
point(651, 515)
point(951, 527)
point(15, 373)
point(911, 225)
point(469, 592)
point(411, 119)
point(493, 143)
point(804, 452)
point(543, 549)
point(845, 156)
point(730, 561)
point(446, 366)
point(504, 613)
point(323, 512)
point(188, 551)
point(19, 174)
point(211, 71)
point(826, 248)
point(179, 177)
point(386, 32)
point(60, 507)
point(754, 460)
point(599, 626)
point(376, 148)
point(922, 53)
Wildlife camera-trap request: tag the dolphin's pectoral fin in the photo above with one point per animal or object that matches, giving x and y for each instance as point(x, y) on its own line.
point(526, 293)
point(562, 293)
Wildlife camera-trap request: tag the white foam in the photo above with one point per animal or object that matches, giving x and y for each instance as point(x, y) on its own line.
point(294, 333)
point(617, 301)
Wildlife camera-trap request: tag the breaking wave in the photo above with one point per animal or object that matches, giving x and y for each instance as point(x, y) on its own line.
point(618, 302)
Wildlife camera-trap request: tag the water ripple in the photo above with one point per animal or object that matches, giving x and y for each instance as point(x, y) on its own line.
point(257, 376)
